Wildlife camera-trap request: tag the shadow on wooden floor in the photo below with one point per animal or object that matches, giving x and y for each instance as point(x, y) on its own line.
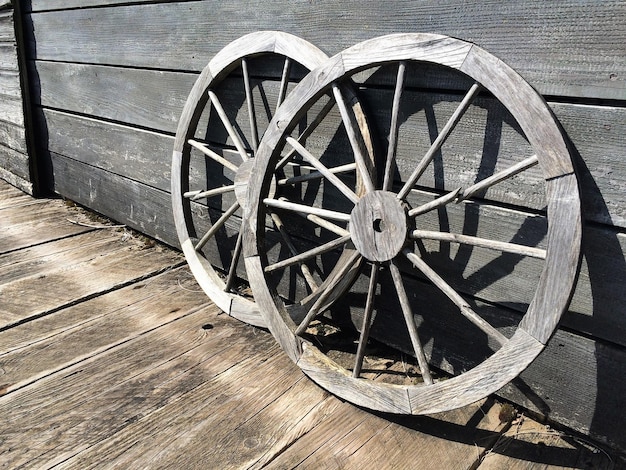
point(111, 356)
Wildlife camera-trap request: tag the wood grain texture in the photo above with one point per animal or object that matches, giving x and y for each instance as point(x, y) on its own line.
point(121, 314)
point(21, 183)
point(158, 358)
point(10, 84)
point(6, 25)
point(343, 440)
point(8, 57)
point(146, 98)
point(11, 111)
point(562, 261)
point(138, 206)
point(595, 131)
point(15, 163)
point(587, 53)
point(13, 136)
point(20, 229)
point(77, 276)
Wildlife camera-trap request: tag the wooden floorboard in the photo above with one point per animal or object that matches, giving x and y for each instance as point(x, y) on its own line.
point(112, 357)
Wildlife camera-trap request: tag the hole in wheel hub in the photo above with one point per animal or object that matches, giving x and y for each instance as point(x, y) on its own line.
point(378, 225)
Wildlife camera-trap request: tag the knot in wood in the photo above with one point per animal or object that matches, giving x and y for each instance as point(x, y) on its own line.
point(378, 226)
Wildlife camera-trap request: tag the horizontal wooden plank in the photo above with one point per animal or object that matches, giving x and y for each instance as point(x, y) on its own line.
point(77, 276)
point(70, 320)
point(587, 53)
point(41, 222)
point(10, 84)
point(595, 131)
point(139, 155)
point(13, 136)
point(24, 184)
point(15, 162)
point(32, 352)
point(7, 33)
point(134, 204)
point(44, 5)
point(145, 98)
point(13, 197)
point(11, 110)
point(8, 57)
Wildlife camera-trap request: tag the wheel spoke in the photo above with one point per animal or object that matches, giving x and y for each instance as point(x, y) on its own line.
point(213, 155)
point(217, 225)
point(367, 321)
point(303, 208)
point(195, 195)
point(306, 272)
point(228, 126)
point(499, 177)
point(307, 132)
point(336, 229)
point(410, 323)
point(434, 204)
point(394, 127)
point(232, 271)
point(359, 158)
point(316, 175)
point(284, 83)
point(319, 166)
point(328, 290)
point(463, 306)
point(251, 114)
point(305, 255)
point(505, 247)
point(439, 141)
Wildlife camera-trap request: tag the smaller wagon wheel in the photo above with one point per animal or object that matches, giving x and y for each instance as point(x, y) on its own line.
point(390, 227)
point(214, 150)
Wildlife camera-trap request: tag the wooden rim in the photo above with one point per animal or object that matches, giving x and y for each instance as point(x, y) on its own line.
point(556, 281)
point(202, 95)
point(231, 56)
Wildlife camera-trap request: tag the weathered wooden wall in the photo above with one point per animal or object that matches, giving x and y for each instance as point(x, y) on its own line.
point(15, 166)
point(109, 79)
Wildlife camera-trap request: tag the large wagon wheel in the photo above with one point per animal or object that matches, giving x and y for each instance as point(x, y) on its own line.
point(392, 232)
point(210, 170)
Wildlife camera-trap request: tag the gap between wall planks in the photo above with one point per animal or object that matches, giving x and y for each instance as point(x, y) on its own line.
point(157, 377)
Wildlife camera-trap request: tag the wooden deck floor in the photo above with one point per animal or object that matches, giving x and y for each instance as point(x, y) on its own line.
point(111, 357)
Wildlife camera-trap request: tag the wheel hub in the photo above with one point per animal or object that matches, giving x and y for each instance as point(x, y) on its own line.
point(378, 225)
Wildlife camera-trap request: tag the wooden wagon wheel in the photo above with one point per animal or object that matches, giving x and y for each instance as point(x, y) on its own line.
point(210, 174)
point(390, 231)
